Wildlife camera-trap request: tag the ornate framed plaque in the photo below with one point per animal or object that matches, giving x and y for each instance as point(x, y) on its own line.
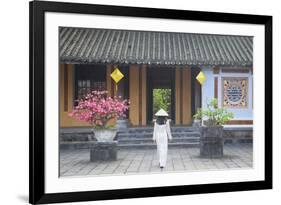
point(235, 92)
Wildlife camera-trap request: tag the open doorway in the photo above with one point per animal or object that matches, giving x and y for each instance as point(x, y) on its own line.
point(160, 90)
point(162, 98)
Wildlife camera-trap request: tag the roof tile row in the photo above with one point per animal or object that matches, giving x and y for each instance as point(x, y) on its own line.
point(88, 45)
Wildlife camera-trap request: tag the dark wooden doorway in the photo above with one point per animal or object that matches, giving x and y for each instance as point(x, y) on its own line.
point(160, 78)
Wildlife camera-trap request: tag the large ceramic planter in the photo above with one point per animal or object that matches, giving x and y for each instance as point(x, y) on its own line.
point(211, 141)
point(105, 135)
point(105, 148)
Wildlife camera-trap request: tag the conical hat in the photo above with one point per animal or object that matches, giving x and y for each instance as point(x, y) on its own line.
point(161, 112)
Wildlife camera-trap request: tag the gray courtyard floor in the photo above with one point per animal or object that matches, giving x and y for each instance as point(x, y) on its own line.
point(136, 161)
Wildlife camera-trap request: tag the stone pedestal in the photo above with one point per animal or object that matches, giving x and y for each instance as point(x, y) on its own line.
point(103, 151)
point(211, 142)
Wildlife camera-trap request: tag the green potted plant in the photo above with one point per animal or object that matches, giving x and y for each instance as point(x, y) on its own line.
point(211, 140)
point(197, 118)
point(101, 112)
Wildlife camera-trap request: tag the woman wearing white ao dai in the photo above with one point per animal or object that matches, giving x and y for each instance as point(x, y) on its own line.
point(161, 134)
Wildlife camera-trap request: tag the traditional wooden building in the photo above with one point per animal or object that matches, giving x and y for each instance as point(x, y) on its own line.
point(151, 60)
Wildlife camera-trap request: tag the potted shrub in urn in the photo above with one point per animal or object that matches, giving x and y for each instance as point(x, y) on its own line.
point(211, 140)
point(101, 112)
point(197, 118)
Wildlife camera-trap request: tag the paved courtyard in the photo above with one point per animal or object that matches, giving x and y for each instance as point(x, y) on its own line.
point(134, 161)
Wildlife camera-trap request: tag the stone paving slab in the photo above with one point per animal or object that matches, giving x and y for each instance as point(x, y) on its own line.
point(77, 162)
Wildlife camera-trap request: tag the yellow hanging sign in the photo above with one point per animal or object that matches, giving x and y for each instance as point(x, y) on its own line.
point(116, 75)
point(201, 78)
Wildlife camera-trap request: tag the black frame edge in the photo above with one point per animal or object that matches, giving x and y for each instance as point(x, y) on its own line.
point(151, 192)
point(145, 12)
point(31, 165)
point(268, 102)
point(36, 103)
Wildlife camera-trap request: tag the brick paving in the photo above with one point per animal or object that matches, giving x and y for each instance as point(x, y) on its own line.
point(134, 161)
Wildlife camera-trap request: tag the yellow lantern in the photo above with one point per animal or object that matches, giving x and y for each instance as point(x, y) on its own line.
point(116, 75)
point(201, 78)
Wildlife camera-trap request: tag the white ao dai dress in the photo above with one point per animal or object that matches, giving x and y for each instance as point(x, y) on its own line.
point(161, 134)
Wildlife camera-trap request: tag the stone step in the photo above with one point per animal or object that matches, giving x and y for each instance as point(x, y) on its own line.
point(75, 145)
point(150, 130)
point(149, 135)
point(88, 136)
point(149, 145)
point(149, 140)
point(153, 145)
point(129, 138)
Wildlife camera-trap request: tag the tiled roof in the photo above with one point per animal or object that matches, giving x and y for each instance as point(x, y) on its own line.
point(88, 45)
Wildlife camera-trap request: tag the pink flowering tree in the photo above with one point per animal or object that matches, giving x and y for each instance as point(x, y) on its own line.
point(98, 109)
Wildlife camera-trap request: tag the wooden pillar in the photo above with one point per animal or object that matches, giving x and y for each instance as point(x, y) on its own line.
point(70, 86)
point(66, 92)
point(216, 87)
point(109, 80)
point(186, 96)
point(66, 87)
point(134, 112)
point(177, 96)
point(143, 96)
point(61, 92)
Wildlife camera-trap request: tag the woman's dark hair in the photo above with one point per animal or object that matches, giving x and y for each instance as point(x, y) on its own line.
point(160, 120)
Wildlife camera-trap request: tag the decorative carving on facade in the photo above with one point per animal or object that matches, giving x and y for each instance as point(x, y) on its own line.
point(235, 92)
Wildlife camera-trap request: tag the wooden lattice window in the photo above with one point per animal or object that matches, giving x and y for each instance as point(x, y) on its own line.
point(89, 78)
point(83, 87)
